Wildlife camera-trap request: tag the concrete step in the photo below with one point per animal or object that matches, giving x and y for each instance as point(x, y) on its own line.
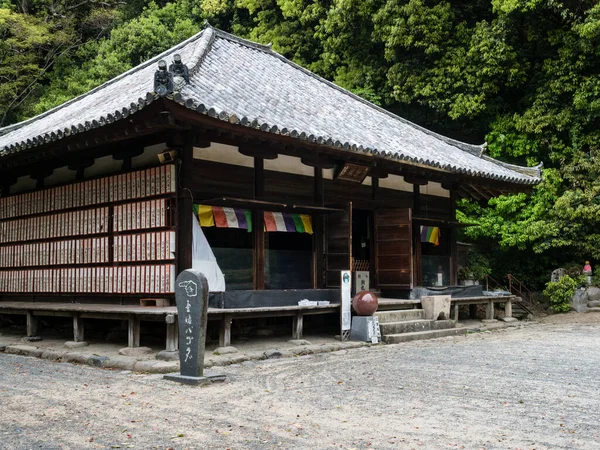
point(594, 309)
point(411, 326)
point(419, 335)
point(594, 304)
point(399, 315)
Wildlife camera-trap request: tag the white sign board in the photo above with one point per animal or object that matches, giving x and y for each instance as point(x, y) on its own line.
point(346, 300)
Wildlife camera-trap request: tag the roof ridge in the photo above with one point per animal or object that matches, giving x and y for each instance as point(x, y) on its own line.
point(145, 64)
point(534, 171)
point(473, 149)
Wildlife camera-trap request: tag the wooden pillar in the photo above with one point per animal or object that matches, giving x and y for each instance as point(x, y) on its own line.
point(454, 312)
point(184, 202)
point(258, 225)
point(172, 344)
point(318, 230)
point(32, 324)
point(489, 310)
point(298, 326)
point(453, 247)
point(374, 188)
point(225, 331)
point(133, 331)
point(416, 199)
point(78, 330)
point(508, 309)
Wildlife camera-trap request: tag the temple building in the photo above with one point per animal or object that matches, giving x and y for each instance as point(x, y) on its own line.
point(221, 154)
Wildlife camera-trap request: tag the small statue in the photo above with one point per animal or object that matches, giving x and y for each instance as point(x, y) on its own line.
point(587, 271)
point(557, 274)
point(178, 69)
point(163, 80)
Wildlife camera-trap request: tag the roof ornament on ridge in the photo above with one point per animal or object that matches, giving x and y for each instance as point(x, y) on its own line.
point(173, 80)
point(180, 72)
point(163, 80)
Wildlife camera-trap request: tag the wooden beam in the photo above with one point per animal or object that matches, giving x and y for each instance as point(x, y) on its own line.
point(322, 162)
point(416, 180)
point(254, 152)
point(184, 204)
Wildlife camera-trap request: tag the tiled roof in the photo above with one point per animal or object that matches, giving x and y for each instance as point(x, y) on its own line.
point(249, 84)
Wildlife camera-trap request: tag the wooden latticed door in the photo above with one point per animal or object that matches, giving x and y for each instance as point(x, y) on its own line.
point(338, 245)
point(393, 249)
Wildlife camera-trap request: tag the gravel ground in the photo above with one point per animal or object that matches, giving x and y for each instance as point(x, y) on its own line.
point(518, 388)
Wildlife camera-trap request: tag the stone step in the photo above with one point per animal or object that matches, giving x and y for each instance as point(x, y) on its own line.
point(419, 335)
point(399, 315)
point(411, 326)
point(594, 304)
point(594, 309)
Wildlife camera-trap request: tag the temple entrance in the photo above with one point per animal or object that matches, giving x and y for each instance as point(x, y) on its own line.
point(362, 241)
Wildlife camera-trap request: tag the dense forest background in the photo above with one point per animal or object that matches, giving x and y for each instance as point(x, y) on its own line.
point(522, 75)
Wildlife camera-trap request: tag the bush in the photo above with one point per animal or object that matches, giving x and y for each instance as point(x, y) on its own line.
point(560, 293)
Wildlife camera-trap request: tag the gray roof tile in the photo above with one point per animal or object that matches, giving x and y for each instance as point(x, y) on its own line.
point(251, 85)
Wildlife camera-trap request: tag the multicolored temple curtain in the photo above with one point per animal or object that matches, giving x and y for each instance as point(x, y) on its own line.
point(288, 222)
point(221, 217)
point(430, 234)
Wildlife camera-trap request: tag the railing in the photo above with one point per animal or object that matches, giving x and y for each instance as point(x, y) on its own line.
point(491, 284)
point(517, 288)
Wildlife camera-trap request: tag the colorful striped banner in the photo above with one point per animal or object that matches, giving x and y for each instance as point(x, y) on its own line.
point(210, 216)
point(430, 234)
point(222, 217)
point(288, 222)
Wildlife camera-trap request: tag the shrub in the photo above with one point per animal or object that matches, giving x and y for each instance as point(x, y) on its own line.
point(560, 293)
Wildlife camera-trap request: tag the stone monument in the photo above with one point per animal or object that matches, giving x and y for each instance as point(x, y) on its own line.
point(191, 295)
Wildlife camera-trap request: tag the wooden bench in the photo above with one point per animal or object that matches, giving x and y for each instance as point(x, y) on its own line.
point(134, 314)
point(487, 300)
point(297, 312)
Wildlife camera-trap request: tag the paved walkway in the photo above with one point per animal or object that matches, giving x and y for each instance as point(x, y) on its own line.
point(525, 388)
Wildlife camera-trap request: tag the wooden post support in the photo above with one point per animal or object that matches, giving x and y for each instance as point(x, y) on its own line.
point(298, 326)
point(489, 310)
point(78, 330)
point(508, 309)
point(133, 331)
point(225, 332)
point(454, 312)
point(172, 334)
point(32, 324)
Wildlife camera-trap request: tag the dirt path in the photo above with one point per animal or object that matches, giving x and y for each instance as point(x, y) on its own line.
point(528, 388)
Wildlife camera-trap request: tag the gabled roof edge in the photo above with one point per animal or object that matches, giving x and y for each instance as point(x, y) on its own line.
point(151, 61)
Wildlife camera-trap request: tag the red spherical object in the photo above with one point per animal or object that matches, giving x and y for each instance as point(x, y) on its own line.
point(365, 303)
